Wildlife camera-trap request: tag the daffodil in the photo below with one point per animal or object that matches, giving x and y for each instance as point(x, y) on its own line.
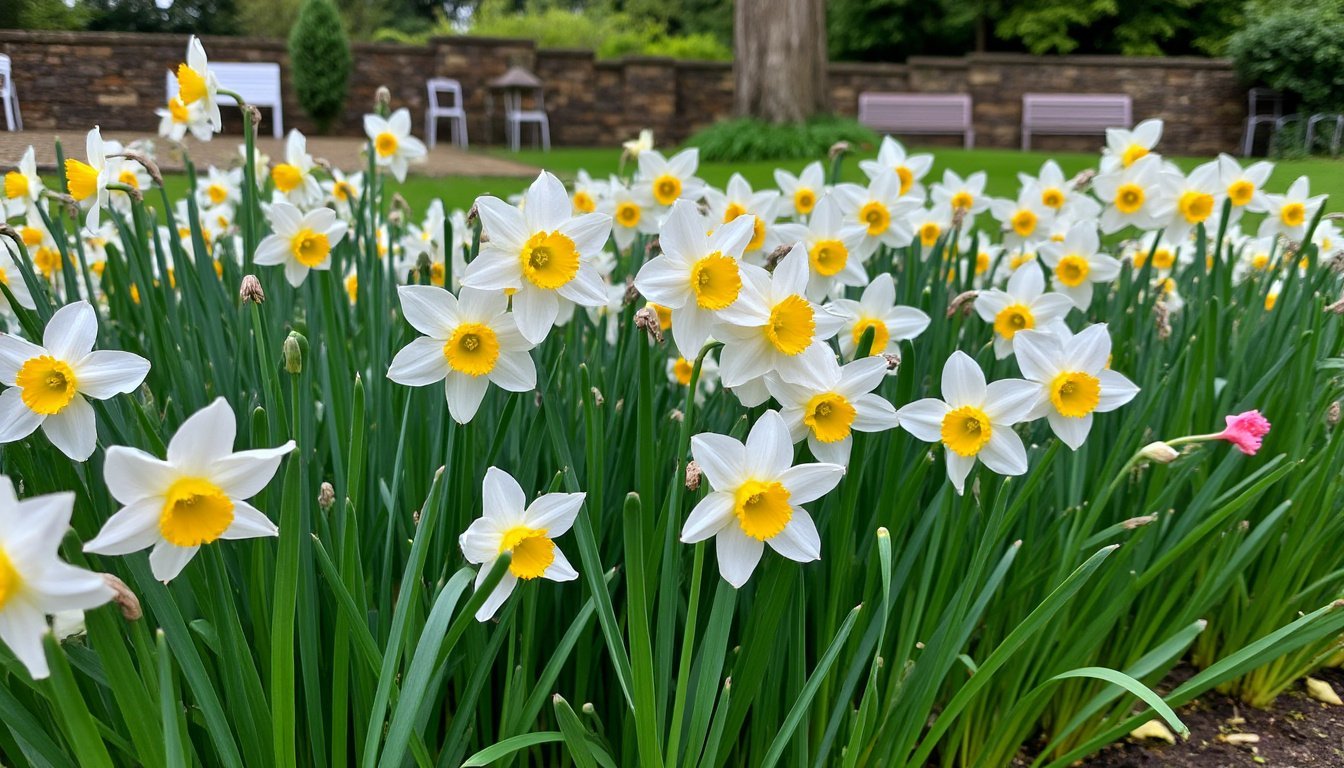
point(1059, 194)
point(964, 195)
point(1195, 199)
point(632, 211)
point(670, 179)
point(697, 275)
point(1077, 264)
point(344, 192)
point(909, 169)
point(87, 181)
point(197, 85)
point(832, 243)
point(640, 144)
point(394, 148)
point(176, 119)
point(470, 341)
point(527, 532)
point(930, 224)
point(541, 253)
point(587, 191)
point(974, 420)
point(738, 200)
point(1132, 195)
point(877, 309)
point(1125, 147)
point(1075, 382)
point(1022, 306)
point(830, 406)
point(12, 279)
point(302, 241)
point(679, 372)
point(194, 498)
point(881, 211)
point(801, 193)
point(773, 327)
point(1242, 186)
point(294, 178)
point(1290, 213)
point(1026, 220)
point(34, 581)
point(219, 187)
point(22, 186)
point(48, 385)
point(756, 498)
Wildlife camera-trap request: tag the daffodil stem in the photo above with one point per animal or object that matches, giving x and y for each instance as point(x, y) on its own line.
point(687, 654)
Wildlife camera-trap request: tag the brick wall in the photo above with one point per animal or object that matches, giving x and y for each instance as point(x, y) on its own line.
point(72, 80)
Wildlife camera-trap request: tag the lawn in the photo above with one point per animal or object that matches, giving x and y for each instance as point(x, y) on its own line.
point(1002, 165)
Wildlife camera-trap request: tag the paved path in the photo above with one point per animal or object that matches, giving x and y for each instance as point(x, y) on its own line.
point(341, 151)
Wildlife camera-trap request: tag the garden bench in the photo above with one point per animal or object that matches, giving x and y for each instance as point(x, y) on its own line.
point(257, 82)
point(927, 113)
point(1073, 114)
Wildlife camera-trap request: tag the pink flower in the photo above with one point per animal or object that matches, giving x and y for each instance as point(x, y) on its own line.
point(1245, 430)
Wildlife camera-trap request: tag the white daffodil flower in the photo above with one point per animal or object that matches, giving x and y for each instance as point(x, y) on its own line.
point(1290, 213)
point(1023, 305)
point(193, 498)
point(1077, 265)
point(23, 186)
point(1196, 198)
point(881, 211)
point(639, 145)
point(1133, 196)
point(756, 497)
point(974, 420)
point(830, 407)
point(1125, 147)
point(632, 212)
point(87, 182)
point(294, 178)
point(670, 179)
point(220, 187)
point(1242, 186)
point(34, 581)
point(929, 224)
point(802, 192)
point(587, 191)
point(1058, 194)
point(1071, 372)
point(697, 275)
point(197, 85)
point(541, 252)
point(48, 385)
point(679, 372)
point(528, 532)
point(738, 200)
point(394, 148)
point(773, 327)
point(470, 341)
point(344, 192)
point(12, 279)
point(302, 241)
point(832, 243)
point(877, 309)
point(909, 169)
point(1026, 220)
point(960, 194)
point(177, 119)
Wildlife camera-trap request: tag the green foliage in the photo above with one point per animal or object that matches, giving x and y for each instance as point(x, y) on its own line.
point(42, 14)
point(1295, 48)
point(319, 56)
point(749, 139)
point(211, 17)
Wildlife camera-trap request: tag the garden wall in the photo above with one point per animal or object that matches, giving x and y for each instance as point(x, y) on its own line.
point(72, 80)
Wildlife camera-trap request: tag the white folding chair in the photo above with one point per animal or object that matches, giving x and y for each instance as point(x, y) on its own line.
point(451, 109)
point(515, 116)
point(9, 94)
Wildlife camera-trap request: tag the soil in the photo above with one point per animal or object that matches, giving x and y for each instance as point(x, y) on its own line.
point(1296, 731)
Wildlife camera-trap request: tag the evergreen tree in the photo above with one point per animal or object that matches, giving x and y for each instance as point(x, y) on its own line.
point(319, 61)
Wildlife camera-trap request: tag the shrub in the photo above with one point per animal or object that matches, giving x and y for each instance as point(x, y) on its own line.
point(751, 139)
point(1295, 48)
point(319, 58)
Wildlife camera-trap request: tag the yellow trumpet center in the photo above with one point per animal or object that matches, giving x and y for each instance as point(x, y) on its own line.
point(928, 233)
point(791, 326)
point(804, 200)
point(880, 334)
point(1129, 198)
point(963, 200)
point(1075, 394)
point(81, 179)
point(550, 260)
point(190, 84)
point(1293, 214)
point(716, 281)
point(286, 177)
point(1024, 222)
point(217, 193)
point(47, 385)
point(10, 580)
point(683, 369)
point(1195, 206)
point(906, 176)
point(532, 551)
point(385, 144)
point(1163, 258)
point(876, 216)
point(1013, 318)
point(342, 191)
point(666, 189)
point(473, 349)
point(584, 202)
point(828, 256)
point(177, 110)
point(310, 248)
point(966, 430)
point(664, 315)
point(1072, 270)
point(195, 512)
point(1052, 197)
point(762, 508)
point(1132, 154)
point(628, 214)
point(16, 185)
point(830, 416)
point(1240, 192)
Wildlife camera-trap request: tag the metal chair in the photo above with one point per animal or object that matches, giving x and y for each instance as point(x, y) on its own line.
point(450, 109)
point(10, 95)
point(1260, 99)
point(515, 116)
point(1336, 135)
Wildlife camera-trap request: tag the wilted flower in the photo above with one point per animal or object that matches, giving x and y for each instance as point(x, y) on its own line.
point(1245, 430)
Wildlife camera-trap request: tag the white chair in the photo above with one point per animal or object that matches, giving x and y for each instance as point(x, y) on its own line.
point(9, 94)
point(450, 109)
point(515, 116)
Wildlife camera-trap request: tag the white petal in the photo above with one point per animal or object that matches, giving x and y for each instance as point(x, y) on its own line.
point(17, 420)
point(958, 467)
point(708, 517)
point(493, 270)
point(497, 597)
point(244, 474)
point(1073, 431)
point(1116, 390)
point(464, 394)
point(873, 414)
point(963, 382)
point(71, 331)
point(924, 419)
point(133, 528)
point(738, 554)
point(249, 523)
point(721, 458)
point(535, 309)
point(419, 363)
point(22, 627)
point(429, 309)
point(14, 352)
point(106, 373)
point(808, 482)
point(168, 560)
point(1008, 401)
point(74, 430)
point(769, 448)
point(501, 497)
point(206, 436)
point(131, 474)
point(1004, 453)
point(515, 372)
point(799, 541)
point(554, 512)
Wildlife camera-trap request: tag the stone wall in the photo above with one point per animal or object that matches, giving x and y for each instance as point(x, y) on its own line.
point(72, 80)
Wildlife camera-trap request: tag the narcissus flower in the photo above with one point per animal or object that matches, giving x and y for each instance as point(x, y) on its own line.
point(892, 158)
point(1290, 213)
point(877, 309)
point(1059, 194)
point(640, 144)
point(302, 241)
point(394, 147)
point(801, 193)
point(1132, 195)
point(193, 498)
point(1074, 380)
point(632, 211)
point(670, 179)
point(22, 186)
point(197, 85)
point(540, 252)
point(1245, 431)
point(832, 405)
point(832, 245)
point(1125, 147)
point(756, 497)
point(528, 532)
point(974, 420)
point(738, 200)
point(881, 211)
point(219, 187)
point(1024, 305)
point(48, 385)
point(12, 279)
point(773, 327)
point(1242, 186)
point(1026, 220)
point(34, 581)
point(697, 275)
point(965, 195)
point(294, 178)
point(1077, 265)
point(470, 341)
point(87, 182)
point(1195, 199)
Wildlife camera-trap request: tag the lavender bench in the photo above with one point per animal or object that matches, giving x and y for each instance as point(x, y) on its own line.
point(927, 113)
point(1073, 114)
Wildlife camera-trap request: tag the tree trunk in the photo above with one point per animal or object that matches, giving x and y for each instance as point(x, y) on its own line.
point(779, 59)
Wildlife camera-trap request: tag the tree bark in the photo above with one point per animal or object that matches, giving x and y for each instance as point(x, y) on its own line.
point(779, 59)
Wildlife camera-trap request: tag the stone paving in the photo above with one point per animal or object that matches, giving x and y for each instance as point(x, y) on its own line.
point(341, 151)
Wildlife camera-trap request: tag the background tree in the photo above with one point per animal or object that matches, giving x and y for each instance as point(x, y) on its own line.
point(779, 59)
point(319, 61)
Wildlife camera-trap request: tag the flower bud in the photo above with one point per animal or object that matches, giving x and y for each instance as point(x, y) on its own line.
point(326, 496)
point(693, 475)
point(293, 351)
point(250, 290)
point(1159, 452)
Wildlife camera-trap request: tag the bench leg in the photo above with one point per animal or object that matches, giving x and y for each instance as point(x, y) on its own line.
point(1026, 138)
point(429, 130)
point(970, 138)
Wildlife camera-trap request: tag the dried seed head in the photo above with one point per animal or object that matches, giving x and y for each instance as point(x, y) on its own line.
point(676, 415)
point(647, 320)
point(1332, 414)
point(775, 256)
point(252, 113)
point(382, 100)
point(1162, 317)
point(1335, 308)
point(598, 399)
point(1083, 180)
point(837, 149)
point(654, 247)
point(250, 290)
point(473, 216)
point(1139, 522)
point(963, 303)
point(893, 360)
point(631, 292)
point(693, 475)
point(326, 496)
point(959, 215)
point(123, 597)
point(150, 166)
